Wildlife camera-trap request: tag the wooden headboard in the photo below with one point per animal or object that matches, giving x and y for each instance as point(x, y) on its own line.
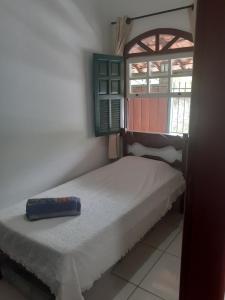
point(159, 146)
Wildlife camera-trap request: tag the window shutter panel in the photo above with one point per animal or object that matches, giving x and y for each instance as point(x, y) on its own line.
point(108, 93)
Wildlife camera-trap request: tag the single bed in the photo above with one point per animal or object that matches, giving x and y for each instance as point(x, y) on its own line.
point(120, 203)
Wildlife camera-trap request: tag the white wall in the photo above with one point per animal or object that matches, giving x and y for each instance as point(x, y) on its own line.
point(46, 134)
point(111, 9)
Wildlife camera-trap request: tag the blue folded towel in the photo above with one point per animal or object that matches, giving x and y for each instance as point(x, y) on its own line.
point(43, 208)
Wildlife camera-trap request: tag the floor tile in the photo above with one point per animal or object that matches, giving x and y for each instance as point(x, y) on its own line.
point(8, 292)
point(181, 225)
point(161, 235)
point(140, 294)
point(176, 246)
point(110, 287)
point(163, 280)
point(137, 263)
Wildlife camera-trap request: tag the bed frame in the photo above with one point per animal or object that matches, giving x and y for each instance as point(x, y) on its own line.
point(156, 141)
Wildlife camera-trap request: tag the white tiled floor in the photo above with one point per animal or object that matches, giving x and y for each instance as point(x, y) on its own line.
point(136, 265)
point(163, 280)
point(140, 294)
point(110, 287)
point(175, 247)
point(149, 272)
point(161, 236)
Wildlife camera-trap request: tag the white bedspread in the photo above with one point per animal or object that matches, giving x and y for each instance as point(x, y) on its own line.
point(70, 253)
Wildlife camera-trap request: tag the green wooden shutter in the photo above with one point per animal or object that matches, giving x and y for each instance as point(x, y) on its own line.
point(108, 93)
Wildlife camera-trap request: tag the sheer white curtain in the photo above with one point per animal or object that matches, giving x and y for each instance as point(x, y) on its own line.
point(192, 16)
point(121, 33)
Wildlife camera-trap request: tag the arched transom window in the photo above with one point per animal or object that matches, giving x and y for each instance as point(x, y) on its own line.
point(159, 77)
point(160, 41)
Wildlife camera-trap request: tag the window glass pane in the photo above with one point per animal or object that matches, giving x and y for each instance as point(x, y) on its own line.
point(138, 70)
point(182, 65)
point(138, 86)
point(150, 42)
point(136, 49)
point(159, 67)
point(179, 114)
point(158, 85)
point(181, 84)
point(164, 39)
point(181, 43)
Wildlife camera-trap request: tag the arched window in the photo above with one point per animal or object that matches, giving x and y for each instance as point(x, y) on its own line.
point(160, 41)
point(159, 67)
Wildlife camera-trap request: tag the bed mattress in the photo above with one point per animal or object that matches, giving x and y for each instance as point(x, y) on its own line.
point(120, 202)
